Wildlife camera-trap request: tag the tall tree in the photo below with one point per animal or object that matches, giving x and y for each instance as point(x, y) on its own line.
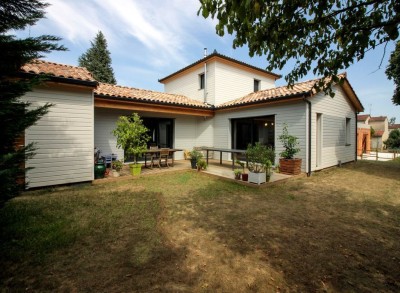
point(324, 36)
point(15, 114)
point(393, 72)
point(98, 61)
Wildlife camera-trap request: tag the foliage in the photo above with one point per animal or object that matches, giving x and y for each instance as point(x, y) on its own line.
point(98, 61)
point(393, 141)
point(372, 131)
point(393, 72)
point(237, 172)
point(289, 143)
point(201, 164)
point(131, 135)
point(241, 164)
point(322, 36)
point(259, 157)
point(195, 155)
point(117, 165)
point(392, 121)
point(17, 115)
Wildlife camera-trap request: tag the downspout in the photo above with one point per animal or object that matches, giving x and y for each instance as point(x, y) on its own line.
point(355, 112)
point(309, 135)
point(205, 77)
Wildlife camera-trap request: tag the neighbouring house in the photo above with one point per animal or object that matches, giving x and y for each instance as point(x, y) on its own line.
point(393, 127)
point(363, 135)
point(381, 131)
point(216, 101)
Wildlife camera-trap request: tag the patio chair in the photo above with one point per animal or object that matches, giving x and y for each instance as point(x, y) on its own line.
point(163, 157)
point(152, 156)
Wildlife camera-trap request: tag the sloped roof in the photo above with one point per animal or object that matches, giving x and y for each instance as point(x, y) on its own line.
point(394, 126)
point(282, 92)
point(61, 71)
point(135, 94)
point(376, 119)
point(216, 55)
point(362, 117)
point(300, 89)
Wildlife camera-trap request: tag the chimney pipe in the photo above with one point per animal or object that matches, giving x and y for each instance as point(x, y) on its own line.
point(205, 52)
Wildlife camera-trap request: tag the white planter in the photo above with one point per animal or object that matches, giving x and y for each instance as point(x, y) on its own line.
point(257, 178)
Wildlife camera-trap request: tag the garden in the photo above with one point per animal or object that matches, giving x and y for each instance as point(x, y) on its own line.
point(336, 231)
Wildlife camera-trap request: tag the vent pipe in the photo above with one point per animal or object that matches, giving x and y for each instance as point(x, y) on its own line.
point(205, 52)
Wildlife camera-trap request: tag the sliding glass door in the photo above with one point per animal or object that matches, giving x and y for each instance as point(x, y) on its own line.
point(247, 131)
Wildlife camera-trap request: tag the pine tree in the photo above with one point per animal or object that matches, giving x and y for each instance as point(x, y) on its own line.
point(98, 61)
point(15, 114)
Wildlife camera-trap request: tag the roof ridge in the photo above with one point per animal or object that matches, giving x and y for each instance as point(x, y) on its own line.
point(57, 63)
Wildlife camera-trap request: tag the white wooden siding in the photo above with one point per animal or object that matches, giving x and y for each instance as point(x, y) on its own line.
point(232, 83)
point(189, 86)
point(223, 83)
point(334, 113)
point(292, 114)
point(63, 137)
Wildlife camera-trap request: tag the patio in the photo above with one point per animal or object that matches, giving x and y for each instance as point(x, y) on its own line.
point(214, 168)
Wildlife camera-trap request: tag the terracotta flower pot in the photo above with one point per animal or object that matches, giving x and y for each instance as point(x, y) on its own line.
point(290, 166)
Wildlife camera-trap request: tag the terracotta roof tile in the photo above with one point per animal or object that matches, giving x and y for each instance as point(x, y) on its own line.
point(394, 126)
point(362, 117)
point(116, 91)
point(379, 118)
point(58, 70)
point(273, 93)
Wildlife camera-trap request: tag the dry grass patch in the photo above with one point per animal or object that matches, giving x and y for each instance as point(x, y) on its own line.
point(337, 231)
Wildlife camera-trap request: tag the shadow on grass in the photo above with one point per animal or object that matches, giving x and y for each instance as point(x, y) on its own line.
point(319, 239)
point(100, 241)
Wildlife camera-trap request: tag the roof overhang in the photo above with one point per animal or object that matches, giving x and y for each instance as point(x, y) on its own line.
point(156, 107)
point(215, 57)
point(348, 89)
point(63, 80)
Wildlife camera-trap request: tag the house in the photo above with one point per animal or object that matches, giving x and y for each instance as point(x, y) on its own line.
point(363, 135)
point(380, 134)
point(393, 127)
point(216, 101)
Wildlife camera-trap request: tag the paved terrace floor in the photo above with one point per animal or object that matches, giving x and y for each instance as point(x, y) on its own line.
point(213, 168)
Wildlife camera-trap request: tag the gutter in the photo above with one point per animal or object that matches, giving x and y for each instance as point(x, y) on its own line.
point(309, 135)
point(356, 136)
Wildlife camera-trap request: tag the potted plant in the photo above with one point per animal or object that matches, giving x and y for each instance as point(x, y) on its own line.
point(195, 156)
point(117, 167)
point(237, 173)
point(201, 164)
point(245, 176)
point(288, 164)
point(132, 137)
point(259, 159)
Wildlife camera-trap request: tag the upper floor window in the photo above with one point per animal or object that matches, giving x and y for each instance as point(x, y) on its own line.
point(256, 85)
point(201, 81)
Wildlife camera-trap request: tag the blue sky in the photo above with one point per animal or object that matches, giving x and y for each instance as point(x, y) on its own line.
point(149, 40)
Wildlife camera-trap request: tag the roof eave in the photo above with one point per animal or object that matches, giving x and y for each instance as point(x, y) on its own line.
point(58, 79)
point(277, 99)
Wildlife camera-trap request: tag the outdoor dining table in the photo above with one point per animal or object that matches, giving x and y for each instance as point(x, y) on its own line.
point(157, 151)
point(222, 150)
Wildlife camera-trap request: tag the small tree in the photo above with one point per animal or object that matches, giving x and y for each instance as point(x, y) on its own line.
point(132, 135)
point(393, 142)
point(16, 114)
point(289, 143)
point(259, 157)
point(98, 61)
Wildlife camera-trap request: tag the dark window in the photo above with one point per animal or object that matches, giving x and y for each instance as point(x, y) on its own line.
point(348, 131)
point(251, 130)
point(256, 85)
point(201, 81)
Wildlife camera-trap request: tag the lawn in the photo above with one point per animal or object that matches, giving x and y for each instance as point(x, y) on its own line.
point(337, 231)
